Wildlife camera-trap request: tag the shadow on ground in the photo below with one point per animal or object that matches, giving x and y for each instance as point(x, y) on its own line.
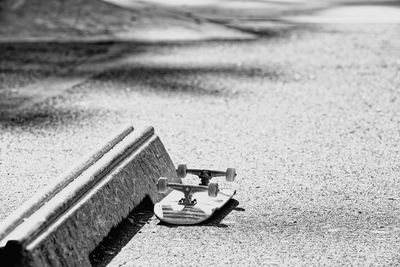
point(216, 219)
point(186, 80)
point(136, 220)
point(122, 234)
point(33, 73)
point(47, 117)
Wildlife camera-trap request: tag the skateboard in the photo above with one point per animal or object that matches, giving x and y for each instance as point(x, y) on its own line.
point(192, 204)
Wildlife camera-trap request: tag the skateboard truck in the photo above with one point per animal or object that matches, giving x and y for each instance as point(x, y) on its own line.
point(187, 190)
point(205, 175)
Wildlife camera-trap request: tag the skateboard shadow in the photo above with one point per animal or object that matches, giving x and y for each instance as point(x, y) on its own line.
point(216, 219)
point(119, 236)
point(122, 234)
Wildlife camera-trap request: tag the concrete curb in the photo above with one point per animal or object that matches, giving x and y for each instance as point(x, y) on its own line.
point(61, 225)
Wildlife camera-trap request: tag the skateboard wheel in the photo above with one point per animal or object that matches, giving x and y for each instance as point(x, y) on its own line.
point(162, 185)
point(213, 190)
point(181, 171)
point(230, 174)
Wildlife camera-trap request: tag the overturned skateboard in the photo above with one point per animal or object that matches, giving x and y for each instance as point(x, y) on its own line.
point(192, 204)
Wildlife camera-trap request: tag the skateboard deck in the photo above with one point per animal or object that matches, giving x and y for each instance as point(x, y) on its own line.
point(170, 211)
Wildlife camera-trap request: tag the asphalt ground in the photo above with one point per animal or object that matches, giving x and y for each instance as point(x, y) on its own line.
point(308, 117)
point(307, 114)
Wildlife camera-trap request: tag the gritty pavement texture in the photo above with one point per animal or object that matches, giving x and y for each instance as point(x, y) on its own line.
point(307, 114)
point(308, 117)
